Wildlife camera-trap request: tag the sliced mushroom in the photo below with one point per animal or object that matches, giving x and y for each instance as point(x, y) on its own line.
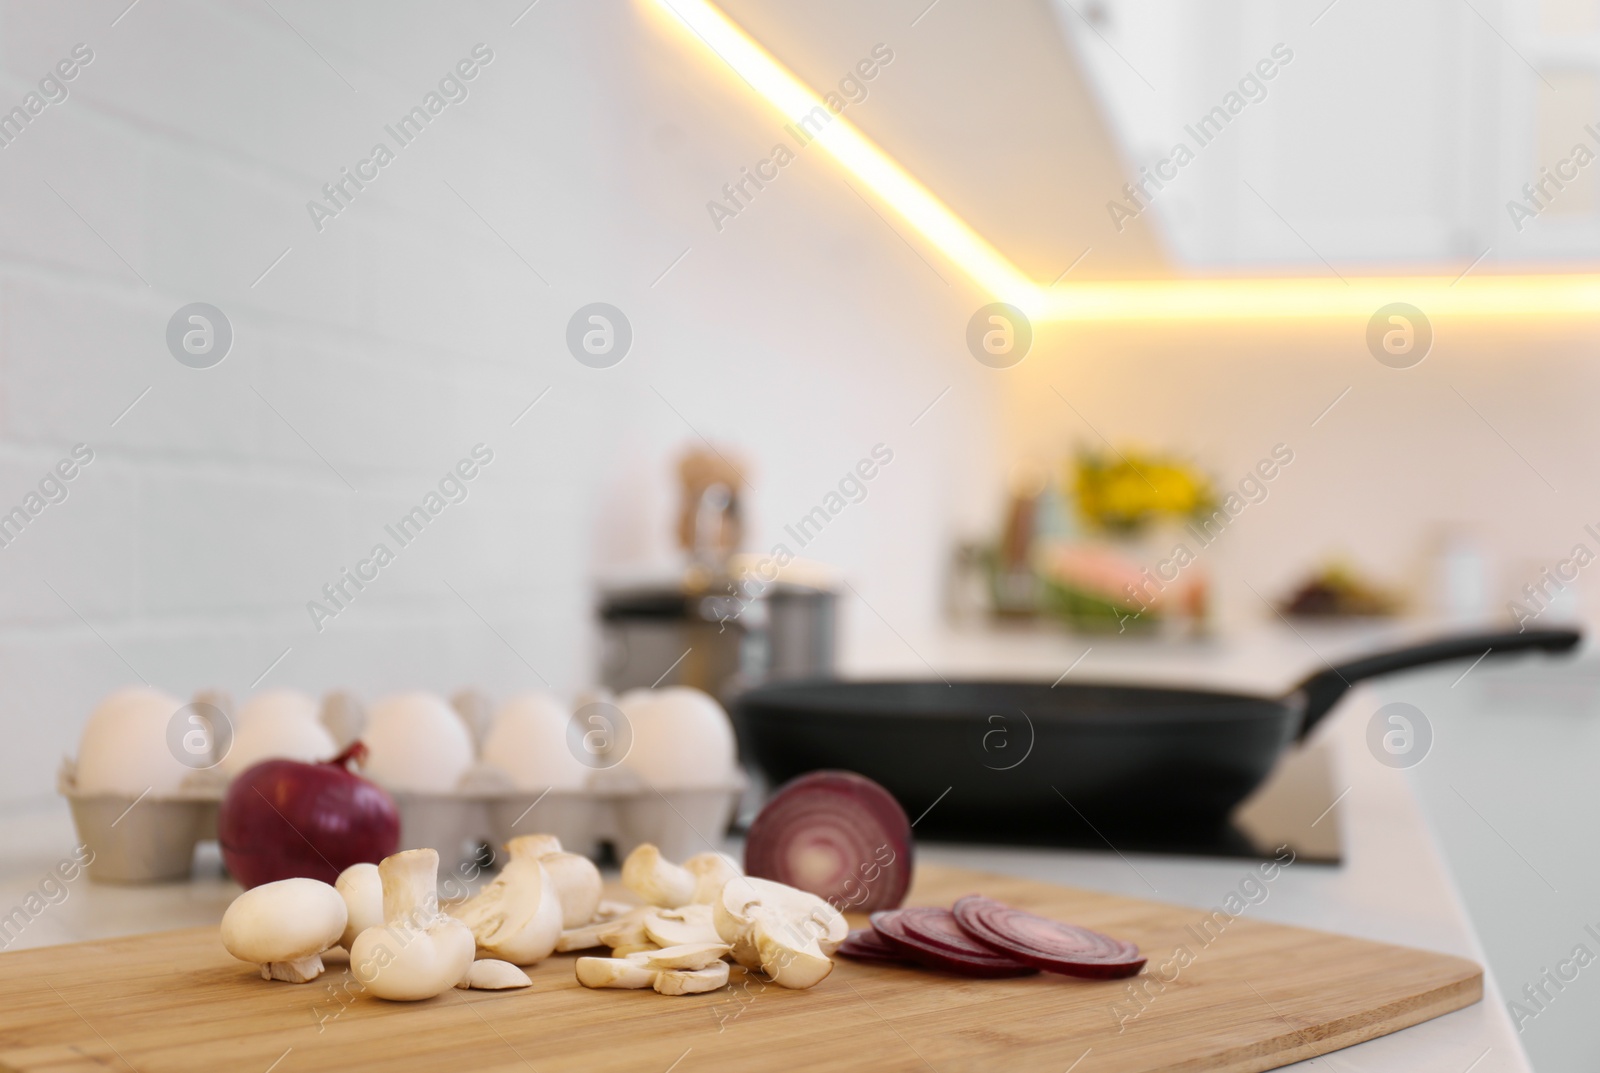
point(688, 956)
point(629, 949)
point(689, 924)
point(611, 910)
point(284, 927)
point(584, 938)
point(692, 981)
point(657, 880)
point(621, 925)
point(492, 975)
point(615, 972)
point(628, 929)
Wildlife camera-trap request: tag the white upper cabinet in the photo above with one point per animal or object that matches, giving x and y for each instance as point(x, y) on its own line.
point(1354, 135)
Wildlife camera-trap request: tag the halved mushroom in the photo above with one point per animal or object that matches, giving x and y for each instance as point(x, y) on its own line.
point(578, 886)
point(692, 981)
point(789, 954)
point(630, 972)
point(419, 952)
point(657, 880)
point(517, 918)
point(778, 929)
point(492, 975)
point(284, 927)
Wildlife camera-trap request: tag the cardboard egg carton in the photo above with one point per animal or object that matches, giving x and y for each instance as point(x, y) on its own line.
point(151, 838)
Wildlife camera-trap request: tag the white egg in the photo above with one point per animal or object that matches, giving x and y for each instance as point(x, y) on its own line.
point(124, 747)
point(528, 741)
point(275, 704)
point(682, 739)
point(281, 737)
point(415, 741)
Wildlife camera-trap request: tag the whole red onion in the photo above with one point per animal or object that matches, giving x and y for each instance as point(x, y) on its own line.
point(283, 819)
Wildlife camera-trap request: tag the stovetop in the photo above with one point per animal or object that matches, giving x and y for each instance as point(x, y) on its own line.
point(1294, 808)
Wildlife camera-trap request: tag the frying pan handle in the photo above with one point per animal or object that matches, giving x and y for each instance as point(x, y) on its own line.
point(1323, 690)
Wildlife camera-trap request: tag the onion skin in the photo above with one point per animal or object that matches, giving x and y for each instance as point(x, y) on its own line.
point(284, 819)
point(839, 815)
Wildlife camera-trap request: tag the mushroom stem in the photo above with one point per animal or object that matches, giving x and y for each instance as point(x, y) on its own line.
point(420, 952)
point(299, 971)
point(410, 888)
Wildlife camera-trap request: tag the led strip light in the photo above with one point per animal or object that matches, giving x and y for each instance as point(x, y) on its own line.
point(1562, 294)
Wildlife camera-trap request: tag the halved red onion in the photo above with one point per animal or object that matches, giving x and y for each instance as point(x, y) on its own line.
point(865, 944)
point(839, 836)
point(1043, 943)
point(931, 937)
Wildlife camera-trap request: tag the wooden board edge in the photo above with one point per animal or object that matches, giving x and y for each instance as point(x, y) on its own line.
point(1348, 1031)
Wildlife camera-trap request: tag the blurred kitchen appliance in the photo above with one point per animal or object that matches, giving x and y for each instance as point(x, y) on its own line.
point(726, 622)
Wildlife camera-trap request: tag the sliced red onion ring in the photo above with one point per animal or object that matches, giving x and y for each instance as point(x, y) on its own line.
point(865, 944)
point(1044, 943)
point(931, 937)
point(839, 836)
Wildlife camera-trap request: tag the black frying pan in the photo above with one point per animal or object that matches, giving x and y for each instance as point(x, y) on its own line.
point(1008, 751)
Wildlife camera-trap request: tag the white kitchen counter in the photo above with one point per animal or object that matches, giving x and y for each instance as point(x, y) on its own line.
point(1394, 885)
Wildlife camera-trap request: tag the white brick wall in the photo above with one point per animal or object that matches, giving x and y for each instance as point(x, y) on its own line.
point(403, 334)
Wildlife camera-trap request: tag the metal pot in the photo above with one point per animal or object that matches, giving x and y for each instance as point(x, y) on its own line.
point(716, 634)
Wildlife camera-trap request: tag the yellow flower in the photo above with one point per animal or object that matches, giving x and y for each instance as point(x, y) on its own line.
point(1130, 490)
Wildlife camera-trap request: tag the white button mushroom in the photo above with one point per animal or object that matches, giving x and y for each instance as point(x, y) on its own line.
point(284, 927)
point(361, 887)
point(419, 952)
point(517, 917)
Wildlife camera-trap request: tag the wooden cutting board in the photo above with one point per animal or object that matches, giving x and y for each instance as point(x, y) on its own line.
point(1253, 997)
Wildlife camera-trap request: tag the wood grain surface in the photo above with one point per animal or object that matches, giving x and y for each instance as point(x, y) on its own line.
point(1241, 996)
